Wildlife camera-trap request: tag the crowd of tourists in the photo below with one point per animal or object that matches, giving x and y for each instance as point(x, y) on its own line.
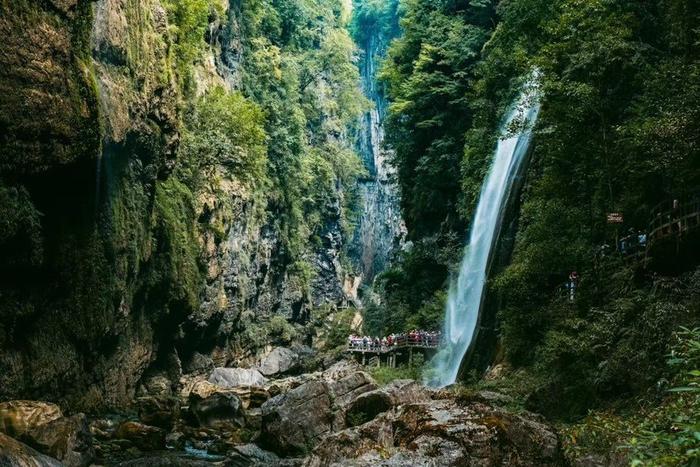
point(633, 242)
point(411, 338)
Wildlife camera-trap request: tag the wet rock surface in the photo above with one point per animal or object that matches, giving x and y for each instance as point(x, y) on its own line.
point(441, 432)
point(335, 417)
point(16, 454)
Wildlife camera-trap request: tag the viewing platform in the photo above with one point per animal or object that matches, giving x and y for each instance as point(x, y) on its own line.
point(394, 350)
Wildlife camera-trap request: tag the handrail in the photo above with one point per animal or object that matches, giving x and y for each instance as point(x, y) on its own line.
point(400, 343)
point(675, 221)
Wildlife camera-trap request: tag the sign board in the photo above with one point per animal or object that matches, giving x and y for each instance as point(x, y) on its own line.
point(615, 218)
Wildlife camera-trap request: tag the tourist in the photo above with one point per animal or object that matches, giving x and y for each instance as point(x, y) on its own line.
point(573, 283)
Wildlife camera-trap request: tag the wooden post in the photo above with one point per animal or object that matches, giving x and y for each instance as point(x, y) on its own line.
point(363, 359)
point(410, 356)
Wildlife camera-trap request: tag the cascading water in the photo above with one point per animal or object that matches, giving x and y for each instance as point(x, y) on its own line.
point(466, 295)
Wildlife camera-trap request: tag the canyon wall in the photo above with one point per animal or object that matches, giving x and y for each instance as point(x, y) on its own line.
point(112, 264)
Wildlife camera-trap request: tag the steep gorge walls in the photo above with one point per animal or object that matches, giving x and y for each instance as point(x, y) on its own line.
point(173, 176)
point(78, 193)
point(381, 230)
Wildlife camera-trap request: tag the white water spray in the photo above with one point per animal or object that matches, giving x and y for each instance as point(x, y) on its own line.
point(466, 295)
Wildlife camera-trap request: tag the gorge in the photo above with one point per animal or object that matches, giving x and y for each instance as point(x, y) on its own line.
point(202, 200)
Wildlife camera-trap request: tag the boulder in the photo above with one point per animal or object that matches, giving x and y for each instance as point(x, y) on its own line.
point(251, 396)
point(442, 432)
point(279, 362)
point(250, 454)
point(220, 409)
point(341, 369)
point(19, 417)
point(232, 377)
point(199, 386)
point(15, 454)
point(367, 406)
point(144, 437)
point(67, 439)
point(281, 386)
point(160, 411)
point(295, 421)
point(407, 391)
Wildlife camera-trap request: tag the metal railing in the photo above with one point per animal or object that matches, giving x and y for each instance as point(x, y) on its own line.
point(401, 342)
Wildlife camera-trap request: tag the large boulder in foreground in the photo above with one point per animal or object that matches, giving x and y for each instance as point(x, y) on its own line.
point(295, 421)
point(219, 410)
point(279, 362)
point(368, 405)
point(20, 417)
point(42, 426)
point(15, 454)
point(234, 377)
point(442, 432)
point(68, 439)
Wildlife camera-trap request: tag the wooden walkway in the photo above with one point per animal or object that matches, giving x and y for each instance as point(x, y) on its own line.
point(674, 222)
point(402, 348)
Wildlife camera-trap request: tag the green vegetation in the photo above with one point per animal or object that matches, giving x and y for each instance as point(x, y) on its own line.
point(663, 434)
point(618, 131)
point(385, 375)
point(224, 136)
point(300, 70)
point(188, 22)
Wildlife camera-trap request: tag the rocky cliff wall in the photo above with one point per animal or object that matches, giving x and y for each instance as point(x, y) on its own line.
point(381, 230)
point(110, 267)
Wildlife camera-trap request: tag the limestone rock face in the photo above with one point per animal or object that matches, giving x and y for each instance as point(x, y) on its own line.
point(233, 377)
point(15, 454)
point(43, 78)
point(20, 417)
point(441, 432)
point(295, 421)
point(280, 361)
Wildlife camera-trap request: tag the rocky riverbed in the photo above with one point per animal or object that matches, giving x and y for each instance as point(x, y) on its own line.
point(240, 416)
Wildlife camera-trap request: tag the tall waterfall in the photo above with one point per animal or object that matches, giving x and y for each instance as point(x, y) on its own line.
point(466, 294)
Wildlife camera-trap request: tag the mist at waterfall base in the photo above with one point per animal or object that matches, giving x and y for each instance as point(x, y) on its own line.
point(466, 294)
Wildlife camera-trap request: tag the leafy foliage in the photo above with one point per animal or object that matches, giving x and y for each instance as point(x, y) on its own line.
point(664, 435)
point(617, 132)
point(300, 70)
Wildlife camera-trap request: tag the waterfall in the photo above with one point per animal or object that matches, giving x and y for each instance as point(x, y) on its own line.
point(466, 294)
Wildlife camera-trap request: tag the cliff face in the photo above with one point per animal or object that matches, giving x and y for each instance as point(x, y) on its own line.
point(381, 230)
point(110, 266)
